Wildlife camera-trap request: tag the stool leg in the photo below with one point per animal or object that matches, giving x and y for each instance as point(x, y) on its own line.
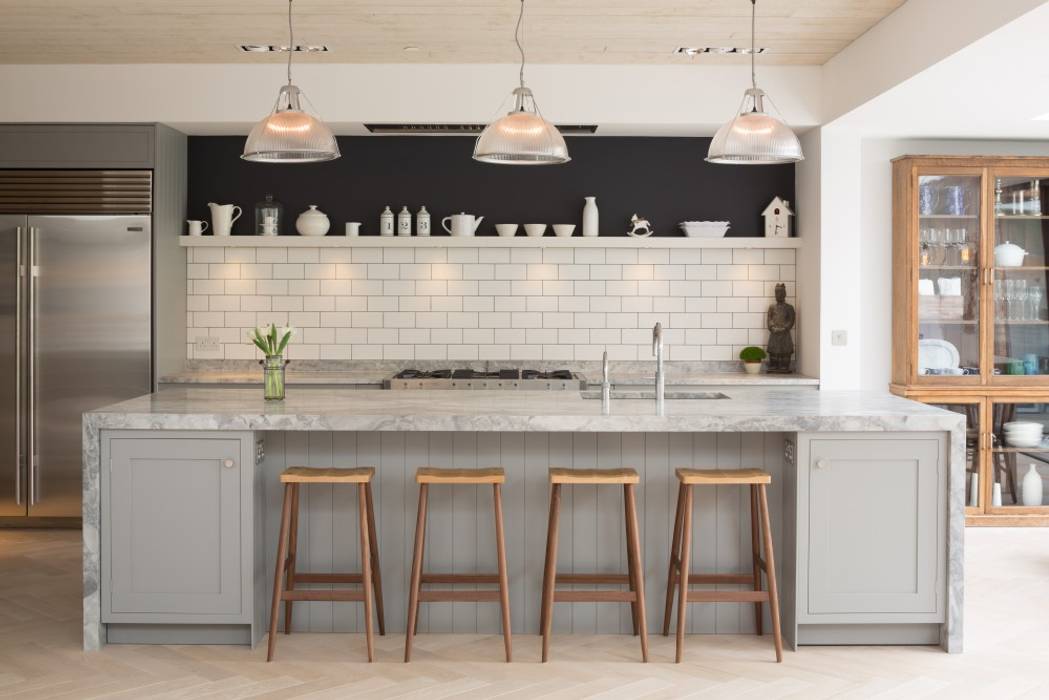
point(550, 570)
point(373, 541)
point(504, 585)
point(278, 576)
point(637, 569)
point(675, 559)
point(417, 572)
point(630, 563)
point(755, 553)
point(770, 562)
point(366, 569)
point(686, 547)
point(293, 548)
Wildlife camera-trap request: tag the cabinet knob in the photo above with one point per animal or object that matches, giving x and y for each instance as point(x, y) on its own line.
point(227, 463)
point(821, 464)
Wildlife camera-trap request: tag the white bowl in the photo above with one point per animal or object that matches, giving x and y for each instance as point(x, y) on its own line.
point(535, 230)
point(506, 230)
point(1023, 425)
point(1024, 441)
point(563, 230)
point(704, 229)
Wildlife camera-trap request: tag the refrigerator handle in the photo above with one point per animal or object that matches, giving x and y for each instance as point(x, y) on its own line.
point(32, 271)
point(19, 281)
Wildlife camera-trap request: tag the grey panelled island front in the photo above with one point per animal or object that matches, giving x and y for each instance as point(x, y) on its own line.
point(181, 503)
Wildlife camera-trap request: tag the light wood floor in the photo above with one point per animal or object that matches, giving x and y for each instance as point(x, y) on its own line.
point(1007, 649)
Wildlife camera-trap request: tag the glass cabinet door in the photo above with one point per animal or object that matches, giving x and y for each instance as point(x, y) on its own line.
point(1019, 457)
point(1018, 297)
point(973, 410)
point(949, 284)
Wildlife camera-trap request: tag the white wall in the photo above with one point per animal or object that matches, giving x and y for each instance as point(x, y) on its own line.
point(875, 219)
point(807, 193)
point(687, 100)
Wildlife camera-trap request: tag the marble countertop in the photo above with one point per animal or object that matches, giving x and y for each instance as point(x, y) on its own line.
point(747, 409)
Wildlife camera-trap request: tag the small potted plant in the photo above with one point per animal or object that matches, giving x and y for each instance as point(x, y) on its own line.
point(272, 343)
point(752, 357)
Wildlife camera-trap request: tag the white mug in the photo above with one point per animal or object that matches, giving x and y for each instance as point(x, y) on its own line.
point(353, 228)
point(222, 218)
point(197, 228)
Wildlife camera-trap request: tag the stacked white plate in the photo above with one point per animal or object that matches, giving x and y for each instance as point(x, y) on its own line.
point(1021, 433)
point(704, 229)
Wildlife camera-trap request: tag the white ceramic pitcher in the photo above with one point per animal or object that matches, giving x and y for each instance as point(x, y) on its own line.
point(222, 218)
point(462, 224)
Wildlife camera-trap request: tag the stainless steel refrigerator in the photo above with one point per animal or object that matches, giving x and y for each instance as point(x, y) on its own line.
point(75, 323)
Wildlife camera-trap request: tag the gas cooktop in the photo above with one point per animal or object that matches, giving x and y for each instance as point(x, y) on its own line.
point(511, 378)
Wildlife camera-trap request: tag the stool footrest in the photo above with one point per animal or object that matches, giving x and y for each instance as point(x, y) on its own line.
point(327, 578)
point(593, 578)
point(323, 596)
point(721, 578)
point(443, 596)
point(459, 578)
point(728, 596)
point(594, 596)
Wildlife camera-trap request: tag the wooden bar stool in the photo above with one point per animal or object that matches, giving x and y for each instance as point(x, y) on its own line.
point(681, 545)
point(425, 476)
point(369, 578)
point(635, 577)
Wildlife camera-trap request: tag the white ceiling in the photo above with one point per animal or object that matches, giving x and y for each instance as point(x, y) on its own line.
point(796, 32)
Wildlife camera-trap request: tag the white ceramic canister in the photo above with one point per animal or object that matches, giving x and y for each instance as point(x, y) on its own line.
point(422, 222)
point(312, 222)
point(404, 222)
point(1031, 487)
point(591, 217)
point(386, 222)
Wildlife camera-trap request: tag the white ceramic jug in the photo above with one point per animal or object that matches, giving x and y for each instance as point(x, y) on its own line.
point(222, 218)
point(462, 224)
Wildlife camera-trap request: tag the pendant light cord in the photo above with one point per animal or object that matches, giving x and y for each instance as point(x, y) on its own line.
point(517, 38)
point(291, 41)
point(753, 71)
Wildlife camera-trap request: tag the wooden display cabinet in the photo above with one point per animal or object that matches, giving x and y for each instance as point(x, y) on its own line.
point(970, 326)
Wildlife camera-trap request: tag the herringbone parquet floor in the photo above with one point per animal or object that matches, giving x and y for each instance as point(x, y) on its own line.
point(1007, 656)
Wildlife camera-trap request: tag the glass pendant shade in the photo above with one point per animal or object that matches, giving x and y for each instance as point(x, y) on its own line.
point(522, 137)
point(754, 137)
point(290, 134)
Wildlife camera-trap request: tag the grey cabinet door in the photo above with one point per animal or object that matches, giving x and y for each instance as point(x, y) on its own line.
point(874, 517)
point(173, 514)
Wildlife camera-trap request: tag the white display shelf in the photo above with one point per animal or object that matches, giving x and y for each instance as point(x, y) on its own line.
point(482, 241)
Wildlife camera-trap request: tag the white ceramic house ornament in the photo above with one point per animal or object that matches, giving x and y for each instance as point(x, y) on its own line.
point(777, 218)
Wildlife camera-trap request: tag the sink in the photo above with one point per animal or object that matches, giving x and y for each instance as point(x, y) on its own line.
point(650, 394)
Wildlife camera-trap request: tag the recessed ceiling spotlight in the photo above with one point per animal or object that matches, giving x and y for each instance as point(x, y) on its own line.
point(692, 51)
point(411, 49)
point(271, 48)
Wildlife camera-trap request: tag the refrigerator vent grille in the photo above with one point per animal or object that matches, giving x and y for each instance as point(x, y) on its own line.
point(76, 191)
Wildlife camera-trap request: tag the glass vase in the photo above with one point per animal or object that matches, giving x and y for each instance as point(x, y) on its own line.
point(273, 377)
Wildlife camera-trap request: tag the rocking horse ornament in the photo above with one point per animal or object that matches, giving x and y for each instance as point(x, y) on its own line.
point(642, 228)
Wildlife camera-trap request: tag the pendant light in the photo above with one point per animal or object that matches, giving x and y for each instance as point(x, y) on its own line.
point(754, 137)
point(522, 137)
point(290, 134)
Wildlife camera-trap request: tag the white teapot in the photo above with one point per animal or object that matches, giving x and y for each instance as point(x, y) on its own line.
point(462, 224)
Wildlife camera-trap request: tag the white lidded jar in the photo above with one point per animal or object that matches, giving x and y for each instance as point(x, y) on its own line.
point(591, 217)
point(422, 222)
point(386, 222)
point(1031, 487)
point(404, 222)
point(312, 222)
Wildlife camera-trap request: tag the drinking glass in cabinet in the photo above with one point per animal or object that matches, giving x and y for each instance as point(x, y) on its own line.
point(1020, 454)
point(1021, 336)
point(948, 195)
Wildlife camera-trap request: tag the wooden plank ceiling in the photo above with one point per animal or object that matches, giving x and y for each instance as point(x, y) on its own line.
point(795, 32)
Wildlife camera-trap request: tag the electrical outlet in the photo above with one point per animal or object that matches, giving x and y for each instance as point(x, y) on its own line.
point(206, 346)
point(839, 337)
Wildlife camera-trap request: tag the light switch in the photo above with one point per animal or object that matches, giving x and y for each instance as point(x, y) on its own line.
point(839, 337)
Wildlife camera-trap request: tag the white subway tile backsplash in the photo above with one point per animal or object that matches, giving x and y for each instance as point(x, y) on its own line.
point(522, 304)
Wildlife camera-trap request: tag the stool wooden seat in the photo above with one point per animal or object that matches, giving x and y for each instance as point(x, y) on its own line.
point(679, 575)
point(286, 577)
point(425, 476)
point(634, 578)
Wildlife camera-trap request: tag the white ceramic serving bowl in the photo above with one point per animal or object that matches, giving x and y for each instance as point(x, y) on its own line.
point(1024, 441)
point(1023, 424)
point(704, 229)
point(564, 230)
point(535, 230)
point(506, 230)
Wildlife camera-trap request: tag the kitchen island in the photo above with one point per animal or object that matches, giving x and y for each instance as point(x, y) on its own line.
point(870, 548)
